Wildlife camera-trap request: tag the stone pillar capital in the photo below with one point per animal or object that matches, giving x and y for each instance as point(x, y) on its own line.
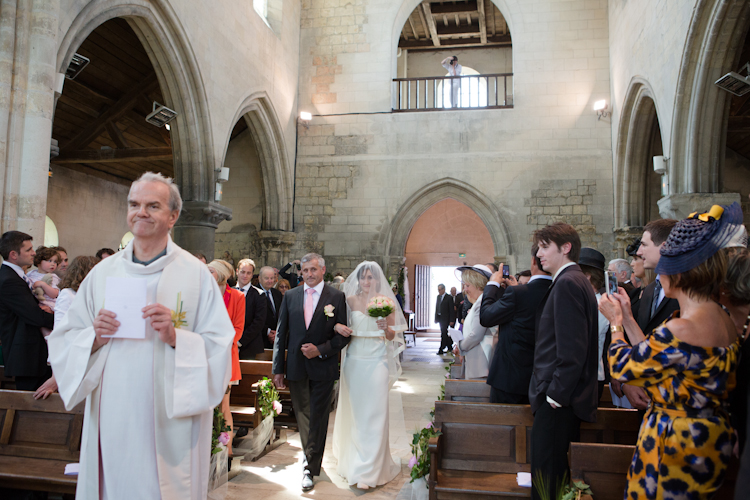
point(679, 206)
point(203, 213)
point(275, 246)
point(624, 236)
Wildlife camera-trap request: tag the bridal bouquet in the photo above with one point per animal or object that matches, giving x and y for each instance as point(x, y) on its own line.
point(380, 307)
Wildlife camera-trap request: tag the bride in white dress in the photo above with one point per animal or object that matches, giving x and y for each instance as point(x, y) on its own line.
point(369, 368)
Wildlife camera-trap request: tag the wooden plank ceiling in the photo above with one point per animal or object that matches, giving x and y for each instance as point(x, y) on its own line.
point(100, 118)
point(738, 129)
point(455, 24)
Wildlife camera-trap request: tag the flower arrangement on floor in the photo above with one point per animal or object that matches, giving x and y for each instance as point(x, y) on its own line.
point(268, 398)
point(578, 491)
point(420, 460)
point(220, 436)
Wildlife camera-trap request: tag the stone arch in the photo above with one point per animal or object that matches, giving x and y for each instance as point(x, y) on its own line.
point(409, 5)
point(393, 240)
point(159, 30)
point(258, 112)
point(632, 155)
point(713, 45)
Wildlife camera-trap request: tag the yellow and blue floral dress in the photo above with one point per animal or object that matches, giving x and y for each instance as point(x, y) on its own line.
point(685, 441)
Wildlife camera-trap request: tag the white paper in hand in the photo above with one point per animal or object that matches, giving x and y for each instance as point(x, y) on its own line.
point(456, 335)
point(126, 297)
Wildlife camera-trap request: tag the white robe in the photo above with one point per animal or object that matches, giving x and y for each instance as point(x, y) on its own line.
point(149, 407)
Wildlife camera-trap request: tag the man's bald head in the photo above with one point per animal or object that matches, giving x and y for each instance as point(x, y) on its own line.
point(267, 277)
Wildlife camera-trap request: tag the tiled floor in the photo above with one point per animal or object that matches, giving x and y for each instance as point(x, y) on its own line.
point(277, 475)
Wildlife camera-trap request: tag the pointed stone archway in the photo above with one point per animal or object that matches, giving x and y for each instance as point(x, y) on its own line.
point(394, 237)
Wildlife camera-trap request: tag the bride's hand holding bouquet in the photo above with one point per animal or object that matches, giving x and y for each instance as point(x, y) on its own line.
point(381, 307)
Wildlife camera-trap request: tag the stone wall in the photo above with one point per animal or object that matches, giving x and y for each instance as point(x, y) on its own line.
point(561, 66)
point(89, 212)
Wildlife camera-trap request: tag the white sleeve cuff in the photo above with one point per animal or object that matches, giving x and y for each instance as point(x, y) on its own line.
point(553, 402)
point(495, 283)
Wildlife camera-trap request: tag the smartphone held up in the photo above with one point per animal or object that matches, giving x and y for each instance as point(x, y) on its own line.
point(610, 282)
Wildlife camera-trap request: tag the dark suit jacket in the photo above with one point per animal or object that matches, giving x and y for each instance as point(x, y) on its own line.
point(292, 333)
point(514, 310)
point(255, 325)
point(272, 318)
point(446, 313)
point(293, 278)
point(24, 348)
point(643, 315)
point(566, 357)
point(458, 305)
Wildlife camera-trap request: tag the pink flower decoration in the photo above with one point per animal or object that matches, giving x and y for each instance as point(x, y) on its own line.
point(277, 407)
point(224, 438)
point(412, 462)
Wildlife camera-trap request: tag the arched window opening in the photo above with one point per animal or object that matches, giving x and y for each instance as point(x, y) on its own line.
point(51, 237)
point(476, 33)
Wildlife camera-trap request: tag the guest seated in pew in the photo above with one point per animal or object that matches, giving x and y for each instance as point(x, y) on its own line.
point(234, 300)
point(476, 346)
point(686, 365)
point(513, 309)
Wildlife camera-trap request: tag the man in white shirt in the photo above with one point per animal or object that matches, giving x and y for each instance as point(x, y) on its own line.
point(454, 69)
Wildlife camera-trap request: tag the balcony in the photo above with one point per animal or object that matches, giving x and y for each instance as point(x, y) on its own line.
point(445, 93)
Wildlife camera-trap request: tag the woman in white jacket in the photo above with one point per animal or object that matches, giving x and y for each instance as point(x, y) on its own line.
point(477, 344)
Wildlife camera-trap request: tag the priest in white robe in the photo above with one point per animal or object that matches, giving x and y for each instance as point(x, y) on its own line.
point(149, 402)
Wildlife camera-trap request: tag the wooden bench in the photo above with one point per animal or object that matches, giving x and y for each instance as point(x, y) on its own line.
point(243, 401)
point(6, 382)
point(484, 445)
point(476, 391)
point(37, 439)
point(604, 467)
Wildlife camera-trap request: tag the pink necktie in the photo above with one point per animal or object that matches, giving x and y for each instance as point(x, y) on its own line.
point(309, 307)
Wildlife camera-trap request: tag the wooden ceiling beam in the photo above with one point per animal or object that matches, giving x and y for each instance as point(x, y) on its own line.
point(88, 156)
point(413, 29)
point(430, 21)
point(86, 91)
point(455, 8)
point(113, 113)
point(458, 30)
point(492, 14)
point(116, 135)
point(426, 45)
point(482, 23)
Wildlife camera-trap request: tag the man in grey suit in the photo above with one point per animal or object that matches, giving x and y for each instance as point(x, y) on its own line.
point(312, 320)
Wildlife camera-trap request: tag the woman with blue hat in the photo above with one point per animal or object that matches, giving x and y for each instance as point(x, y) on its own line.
point(687, 365)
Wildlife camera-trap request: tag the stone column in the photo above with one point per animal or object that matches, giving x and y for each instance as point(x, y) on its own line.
point(624, 236)
point(195, 230)
point(28, 32)
point(275, 247)
point(679, 206)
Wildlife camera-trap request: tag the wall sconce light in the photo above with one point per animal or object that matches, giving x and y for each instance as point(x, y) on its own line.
point(735, 83)
point(601, 109)
point(660, 167)
point(218, 192)
point(304, 118)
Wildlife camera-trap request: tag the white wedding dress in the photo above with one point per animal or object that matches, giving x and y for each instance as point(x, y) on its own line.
point(361, 429)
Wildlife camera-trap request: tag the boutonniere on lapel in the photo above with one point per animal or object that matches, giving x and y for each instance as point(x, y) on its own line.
point(328, 310)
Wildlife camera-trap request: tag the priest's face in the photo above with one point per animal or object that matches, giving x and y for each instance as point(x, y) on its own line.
point(149, 215)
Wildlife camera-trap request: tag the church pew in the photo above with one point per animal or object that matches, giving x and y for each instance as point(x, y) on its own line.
point(6, 382)
point(266, 355)
point(476, 391)
point(37, 439)
point(604, 467)
point(243, 400)
point(484, 445)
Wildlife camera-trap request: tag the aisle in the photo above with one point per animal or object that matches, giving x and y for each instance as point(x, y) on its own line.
point(278, 475)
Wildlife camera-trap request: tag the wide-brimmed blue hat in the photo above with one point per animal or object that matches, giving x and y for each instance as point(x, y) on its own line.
point(694, 240)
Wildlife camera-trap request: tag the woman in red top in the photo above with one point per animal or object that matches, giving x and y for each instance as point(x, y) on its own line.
point(235, 302)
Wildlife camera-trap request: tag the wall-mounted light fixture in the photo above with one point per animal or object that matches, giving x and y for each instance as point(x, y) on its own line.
point(218, 192)
point(601, 108)
point(734, 83)
point(160, 115)
point(304, 118)
point(76, 66)
point(660, 167)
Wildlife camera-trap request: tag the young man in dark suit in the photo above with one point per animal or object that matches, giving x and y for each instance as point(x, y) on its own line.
point(273, 297)
point(445, 316)
point(653, 308)
point(251, 342)
point(307, 333)
point(21, 317)
point(563, 388)
point(513, 308)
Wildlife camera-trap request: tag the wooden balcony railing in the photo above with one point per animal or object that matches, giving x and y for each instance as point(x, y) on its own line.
point(436, 93)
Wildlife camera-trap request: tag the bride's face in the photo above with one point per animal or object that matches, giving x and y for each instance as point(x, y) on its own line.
point(366, 281)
